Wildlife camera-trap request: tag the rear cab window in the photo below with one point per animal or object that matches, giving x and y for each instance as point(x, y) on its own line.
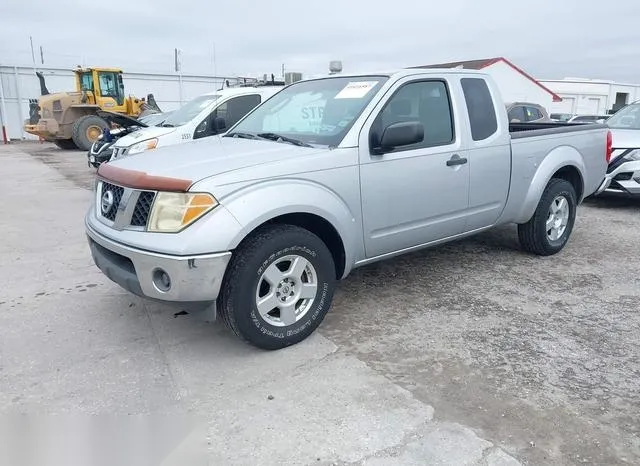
point(516, 114)
point(481, 109)
point(533, 114)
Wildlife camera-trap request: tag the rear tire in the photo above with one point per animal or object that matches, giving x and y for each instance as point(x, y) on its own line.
point(86, 130)
point(278, 287)
point(65, 144)
point(548, 230)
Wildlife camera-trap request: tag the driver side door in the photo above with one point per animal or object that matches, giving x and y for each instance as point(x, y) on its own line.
point(415, 194)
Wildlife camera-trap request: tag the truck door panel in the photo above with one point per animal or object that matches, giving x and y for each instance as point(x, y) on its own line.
point(411, 195)
point(489, 155)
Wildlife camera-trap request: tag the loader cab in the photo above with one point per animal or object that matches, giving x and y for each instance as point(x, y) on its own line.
point(103, 87)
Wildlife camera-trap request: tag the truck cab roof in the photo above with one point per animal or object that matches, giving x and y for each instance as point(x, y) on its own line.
point(401, 73)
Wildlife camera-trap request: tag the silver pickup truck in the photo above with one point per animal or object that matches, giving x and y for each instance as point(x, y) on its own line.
point(327, 175)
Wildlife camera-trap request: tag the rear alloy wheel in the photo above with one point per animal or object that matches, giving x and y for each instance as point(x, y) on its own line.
point(279, 287)
point(86, 130)
point(548, 230)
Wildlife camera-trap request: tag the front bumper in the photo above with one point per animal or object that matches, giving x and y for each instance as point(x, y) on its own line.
point(623, 180)
point(45, 128)
point(192, 278)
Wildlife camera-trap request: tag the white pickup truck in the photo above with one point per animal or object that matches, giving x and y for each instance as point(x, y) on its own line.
point(204, 116)
point(331, 174)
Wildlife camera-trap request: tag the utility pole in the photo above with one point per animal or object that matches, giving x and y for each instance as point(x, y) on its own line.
point(213, 58)
point(41, 56)
point(33, 55)
point(178, 68)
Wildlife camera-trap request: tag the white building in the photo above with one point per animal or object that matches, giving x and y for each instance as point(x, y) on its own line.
point(591, 96)
point(515, 85)
point(18, 84)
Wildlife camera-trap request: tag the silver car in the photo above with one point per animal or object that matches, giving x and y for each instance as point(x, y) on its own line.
point(623, 173)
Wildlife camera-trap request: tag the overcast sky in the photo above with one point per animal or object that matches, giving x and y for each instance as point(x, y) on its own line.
point(547, 38)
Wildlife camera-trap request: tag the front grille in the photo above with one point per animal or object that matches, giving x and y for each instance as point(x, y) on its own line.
point(143, 208)
point(116, 192)
point(97, 146)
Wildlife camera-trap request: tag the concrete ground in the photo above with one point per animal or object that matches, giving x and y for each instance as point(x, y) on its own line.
point(471, 353)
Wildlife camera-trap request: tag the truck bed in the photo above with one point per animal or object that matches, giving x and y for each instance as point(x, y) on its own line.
point(527, 130)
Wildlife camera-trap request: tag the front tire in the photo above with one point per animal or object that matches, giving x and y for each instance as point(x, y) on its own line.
point(86, 130)
point(548, 230)
point(278, 288)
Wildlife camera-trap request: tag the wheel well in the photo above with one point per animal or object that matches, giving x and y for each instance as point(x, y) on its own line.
point(572, 175)
point(321, 228)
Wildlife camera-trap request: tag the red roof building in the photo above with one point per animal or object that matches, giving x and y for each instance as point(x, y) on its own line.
point(514, 83)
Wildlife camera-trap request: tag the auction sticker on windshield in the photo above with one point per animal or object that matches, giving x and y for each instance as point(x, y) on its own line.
point(355, 90)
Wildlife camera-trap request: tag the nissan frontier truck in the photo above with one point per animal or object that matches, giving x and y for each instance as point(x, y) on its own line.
point(331, 174)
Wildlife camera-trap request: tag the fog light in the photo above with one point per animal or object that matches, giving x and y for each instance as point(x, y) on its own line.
point(161, 280)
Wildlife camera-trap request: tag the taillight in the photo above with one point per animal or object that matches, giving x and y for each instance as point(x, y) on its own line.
point(609, 146)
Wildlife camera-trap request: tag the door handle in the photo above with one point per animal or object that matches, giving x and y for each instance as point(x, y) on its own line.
point(456, 160)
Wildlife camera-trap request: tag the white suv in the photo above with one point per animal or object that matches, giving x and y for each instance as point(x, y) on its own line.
point(207, 115)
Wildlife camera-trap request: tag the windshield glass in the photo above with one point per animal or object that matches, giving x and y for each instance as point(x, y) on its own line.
point(315, 112)
point(626, 118)
point(153, 119)
point(190, 110)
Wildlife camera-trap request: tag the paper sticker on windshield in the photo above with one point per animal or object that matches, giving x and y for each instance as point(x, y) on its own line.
point(356, 90)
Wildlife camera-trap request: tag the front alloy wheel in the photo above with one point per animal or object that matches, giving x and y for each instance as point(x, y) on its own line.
point(286, 290)
point(278, 287)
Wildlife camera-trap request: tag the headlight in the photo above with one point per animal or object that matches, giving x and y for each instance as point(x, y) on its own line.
point(142, 146)
point(171, 212)
point(633, 155)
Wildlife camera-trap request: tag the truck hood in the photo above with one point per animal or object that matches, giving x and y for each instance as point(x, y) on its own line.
point(142, 135)
point(119, 119)
point(212, 156)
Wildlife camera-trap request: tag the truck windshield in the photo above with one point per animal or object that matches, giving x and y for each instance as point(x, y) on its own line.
point(190, 110)
point(314, 112)
point(626, 118)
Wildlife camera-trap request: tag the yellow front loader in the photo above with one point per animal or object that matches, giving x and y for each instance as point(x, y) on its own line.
point(69, 119)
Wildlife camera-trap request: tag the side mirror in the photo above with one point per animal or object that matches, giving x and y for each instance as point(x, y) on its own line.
point(400, 134)
point(219, 124)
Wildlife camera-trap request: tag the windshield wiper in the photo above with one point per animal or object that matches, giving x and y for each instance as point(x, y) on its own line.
point(278, 137)
point(167, 125)
point(241, 135)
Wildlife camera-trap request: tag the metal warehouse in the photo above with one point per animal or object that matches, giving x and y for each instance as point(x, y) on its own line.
point(591, 96)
